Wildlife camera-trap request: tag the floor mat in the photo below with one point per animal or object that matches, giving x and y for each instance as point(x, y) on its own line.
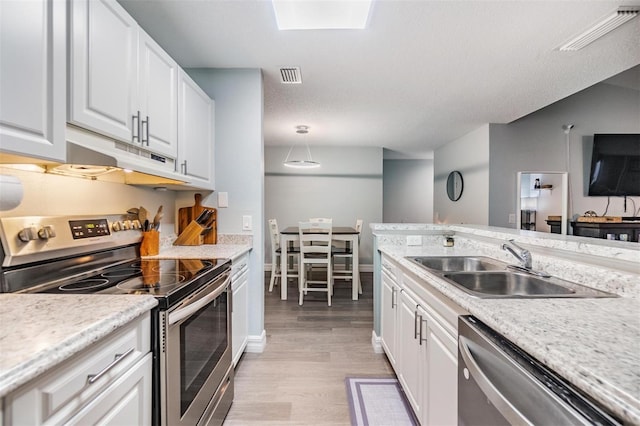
point(378, 401)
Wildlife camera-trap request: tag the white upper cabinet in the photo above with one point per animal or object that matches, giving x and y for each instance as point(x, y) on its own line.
point(122, 84)
point(195, 132)
point(32, 78)
point(103, 69)
point(158, 97)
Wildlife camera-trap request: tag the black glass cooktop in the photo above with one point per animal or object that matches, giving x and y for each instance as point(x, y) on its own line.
point(169, 280)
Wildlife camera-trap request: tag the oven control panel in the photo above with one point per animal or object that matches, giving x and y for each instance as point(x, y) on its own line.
point(88, 228)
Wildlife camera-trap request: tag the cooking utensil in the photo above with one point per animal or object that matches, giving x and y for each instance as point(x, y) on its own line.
point(142, 215)
point(134, 211)
point(157, 218)
point(145, 226)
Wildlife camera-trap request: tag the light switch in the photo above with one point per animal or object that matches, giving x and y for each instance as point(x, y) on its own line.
point(512, 218)
point(246, 223)
point(223, 199)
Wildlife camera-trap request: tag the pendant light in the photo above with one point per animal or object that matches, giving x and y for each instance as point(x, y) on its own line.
point(302, 163)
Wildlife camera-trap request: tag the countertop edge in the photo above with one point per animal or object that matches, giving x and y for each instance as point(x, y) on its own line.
point(51, 356)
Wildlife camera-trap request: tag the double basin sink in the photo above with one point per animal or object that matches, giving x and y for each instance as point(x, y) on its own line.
point(485, 277)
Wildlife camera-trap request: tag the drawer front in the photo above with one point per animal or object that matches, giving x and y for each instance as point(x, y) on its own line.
point(58, 394)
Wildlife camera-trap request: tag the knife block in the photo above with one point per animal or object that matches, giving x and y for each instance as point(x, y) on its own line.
point(190, 236)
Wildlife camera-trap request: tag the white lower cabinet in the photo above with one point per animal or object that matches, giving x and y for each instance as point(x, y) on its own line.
point(388, 312)
point(108, 383)
point(240, 304)
point(419, 336)
point(411, 351)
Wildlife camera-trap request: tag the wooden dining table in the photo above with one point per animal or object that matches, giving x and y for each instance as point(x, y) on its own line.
point(291, 234)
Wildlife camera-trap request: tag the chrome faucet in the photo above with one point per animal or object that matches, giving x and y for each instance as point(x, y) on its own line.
point(523, 255)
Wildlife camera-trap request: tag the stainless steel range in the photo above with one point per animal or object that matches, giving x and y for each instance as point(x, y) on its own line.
point(193, 373)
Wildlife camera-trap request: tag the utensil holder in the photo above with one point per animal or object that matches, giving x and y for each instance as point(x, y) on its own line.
point(191, 236)
point(150, 245)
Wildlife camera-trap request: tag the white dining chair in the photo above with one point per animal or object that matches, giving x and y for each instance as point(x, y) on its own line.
point(315, 250)
point(276, 253)
point(344, 270)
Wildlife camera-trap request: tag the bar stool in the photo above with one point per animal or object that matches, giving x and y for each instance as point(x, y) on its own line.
point(346, 254)
point(276, 254)
point(315, 250)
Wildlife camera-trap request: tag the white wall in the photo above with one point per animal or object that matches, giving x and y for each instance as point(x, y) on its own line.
point(239, 168)
point(470, 156)
point(407, 192)
point(52, 195)
point(537, 142)
point(346, 187)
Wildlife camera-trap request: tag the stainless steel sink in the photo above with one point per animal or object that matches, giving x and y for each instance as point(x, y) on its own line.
point(458, 263)
point(507, 284)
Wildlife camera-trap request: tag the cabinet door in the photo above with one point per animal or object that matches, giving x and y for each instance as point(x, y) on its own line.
point(442, 376)
point(239, 317)
point(103, 69)
point(195, 130)
point(126, 402)
point(33, 78)
point(158, 80)
point(410, 348)
point(388, 301)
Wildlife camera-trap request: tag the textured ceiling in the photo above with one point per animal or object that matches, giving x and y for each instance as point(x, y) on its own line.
point(423, 72)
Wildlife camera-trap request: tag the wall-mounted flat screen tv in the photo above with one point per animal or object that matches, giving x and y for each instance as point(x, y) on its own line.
point(615, 165)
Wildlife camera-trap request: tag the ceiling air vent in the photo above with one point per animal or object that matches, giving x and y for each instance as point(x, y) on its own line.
point(290, 75)
point(604, 26)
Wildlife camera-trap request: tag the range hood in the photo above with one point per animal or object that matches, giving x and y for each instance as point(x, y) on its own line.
point(93, 156)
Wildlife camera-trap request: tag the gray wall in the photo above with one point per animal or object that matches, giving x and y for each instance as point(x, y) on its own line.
point(239, 168)
point(470, 156)
point(537, 142)
point(407, 191)
point(346, 187)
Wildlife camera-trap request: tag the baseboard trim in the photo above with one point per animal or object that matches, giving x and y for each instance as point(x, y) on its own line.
point(256, 344)
point(363, 268)
point(376, 342)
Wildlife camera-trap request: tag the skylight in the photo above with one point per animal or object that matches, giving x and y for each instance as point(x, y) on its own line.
point(321, 14)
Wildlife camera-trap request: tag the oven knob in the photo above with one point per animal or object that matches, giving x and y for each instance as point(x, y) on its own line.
point(126, 225)
point(135, 224)
point(28, 234)
point(46, 232)
point(115, 226)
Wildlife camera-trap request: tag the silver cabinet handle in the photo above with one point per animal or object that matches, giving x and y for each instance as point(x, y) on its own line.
point(183, 167)
point(135, 127)
point(423, 338)
point(500, 402)
point(144, 131)
point(393, 297)
point(92, 378)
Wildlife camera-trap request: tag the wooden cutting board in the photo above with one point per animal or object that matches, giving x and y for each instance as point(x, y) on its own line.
point(188, 214)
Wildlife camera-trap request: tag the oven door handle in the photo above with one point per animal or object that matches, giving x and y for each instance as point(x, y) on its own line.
point(493, 394)
point(193, 306)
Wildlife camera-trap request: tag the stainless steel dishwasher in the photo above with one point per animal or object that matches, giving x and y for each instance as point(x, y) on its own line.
point(500, 384)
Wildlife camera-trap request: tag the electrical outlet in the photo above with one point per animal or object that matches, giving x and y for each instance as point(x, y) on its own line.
point(414, 240)
point(246, 223)
point(512, 218)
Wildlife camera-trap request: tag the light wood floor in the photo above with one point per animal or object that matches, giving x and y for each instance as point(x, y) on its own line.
point(299, 378)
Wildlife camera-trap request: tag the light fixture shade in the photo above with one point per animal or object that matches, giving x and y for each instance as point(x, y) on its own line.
point(321, 14)
point(301, 164)
point(307, 163)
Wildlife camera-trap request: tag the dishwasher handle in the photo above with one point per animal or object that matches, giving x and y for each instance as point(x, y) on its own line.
point(499, 401)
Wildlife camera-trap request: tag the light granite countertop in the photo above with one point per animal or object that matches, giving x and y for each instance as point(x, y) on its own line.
point(593, 343)
point(39, 331)
point(204, 251)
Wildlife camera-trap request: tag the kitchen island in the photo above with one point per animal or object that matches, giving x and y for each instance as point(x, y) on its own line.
point(592, 343)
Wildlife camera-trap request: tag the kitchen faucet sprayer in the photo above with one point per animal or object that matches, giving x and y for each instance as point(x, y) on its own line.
point(524, 257)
